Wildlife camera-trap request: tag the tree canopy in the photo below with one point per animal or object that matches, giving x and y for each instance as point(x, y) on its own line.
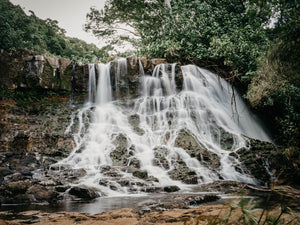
point(43, 36)
point(231, 30)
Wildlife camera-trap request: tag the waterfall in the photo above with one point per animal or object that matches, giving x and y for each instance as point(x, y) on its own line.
point(172, 137)
point(141, 68)
point(92, 84)
point(104, 92)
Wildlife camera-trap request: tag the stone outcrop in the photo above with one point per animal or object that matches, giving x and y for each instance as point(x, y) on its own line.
point(187, 142)
point(269, 163)
point(26, 69)
point(83, 192)
point(31, 138)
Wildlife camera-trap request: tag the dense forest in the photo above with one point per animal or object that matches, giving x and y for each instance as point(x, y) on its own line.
point(256, 43)
point(43, 36)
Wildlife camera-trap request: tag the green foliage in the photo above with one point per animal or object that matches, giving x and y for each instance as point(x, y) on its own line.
point(43, 36)
point(247, 215)
point(228, 30)
point(275, 87)
point(285, 102)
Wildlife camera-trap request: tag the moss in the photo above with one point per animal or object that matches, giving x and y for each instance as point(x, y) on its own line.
point(264, 158)
point(189, 143)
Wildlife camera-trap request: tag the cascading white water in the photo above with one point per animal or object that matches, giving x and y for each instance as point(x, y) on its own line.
point(104, 92)
point(203, 110)
point(92, 83)
point(141, 68)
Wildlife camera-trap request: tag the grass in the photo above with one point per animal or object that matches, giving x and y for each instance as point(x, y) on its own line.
point(243, 212)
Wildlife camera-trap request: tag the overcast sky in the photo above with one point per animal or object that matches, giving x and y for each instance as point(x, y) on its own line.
point(71, 14)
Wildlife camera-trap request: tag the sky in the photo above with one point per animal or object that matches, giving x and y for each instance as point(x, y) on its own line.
point(70, 14)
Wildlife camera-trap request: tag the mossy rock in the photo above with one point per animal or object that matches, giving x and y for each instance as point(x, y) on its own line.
point(142, 174)
point(183, 173)
point(189, 143)
point(160, 160)
point(134, 121)
point(226, 140)
point(270, 163)
point(123, 155)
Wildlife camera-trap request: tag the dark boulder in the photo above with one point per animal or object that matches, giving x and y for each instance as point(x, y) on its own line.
point(142, 174)
point(83, 192)
point(172, 188)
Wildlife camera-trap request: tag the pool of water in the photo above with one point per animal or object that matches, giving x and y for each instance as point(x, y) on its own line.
point(101, 204)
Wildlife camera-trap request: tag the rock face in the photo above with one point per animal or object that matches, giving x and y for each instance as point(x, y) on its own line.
point(26, 69)
point(31, 138)
point(269, 163)
point(181, 172)
point(23, 68)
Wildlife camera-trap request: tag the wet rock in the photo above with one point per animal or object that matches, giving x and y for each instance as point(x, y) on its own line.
point(189, 143)
point(227, 187)
point(4, 172)
point(183, 173)
point(62, 188)
point(160, 154)
point(65, 76)
point(178, 77)
point(152, 179)
point(120, 79)
point(142, 174)
point(151, 189)
point(11, 66)
point(133, 64)
point(83, 192)
point(134, 121)
point(155, 62)
point(19, 199)
point(50, 76)
point(16, 177)
point(123, 155)
point(42, 194)
point(121, 148)
point(110, 171)
point(26, 69)
point(80, 75)
point(72, 173)
point(16, 193)
point(15, 188)
point(226, 139)
point(269, 163)
point(197, 200)
point(172, 188)
point(20, 142)
point(133, 75)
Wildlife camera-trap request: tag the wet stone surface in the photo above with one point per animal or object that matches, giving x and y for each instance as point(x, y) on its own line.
point(189, 143)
